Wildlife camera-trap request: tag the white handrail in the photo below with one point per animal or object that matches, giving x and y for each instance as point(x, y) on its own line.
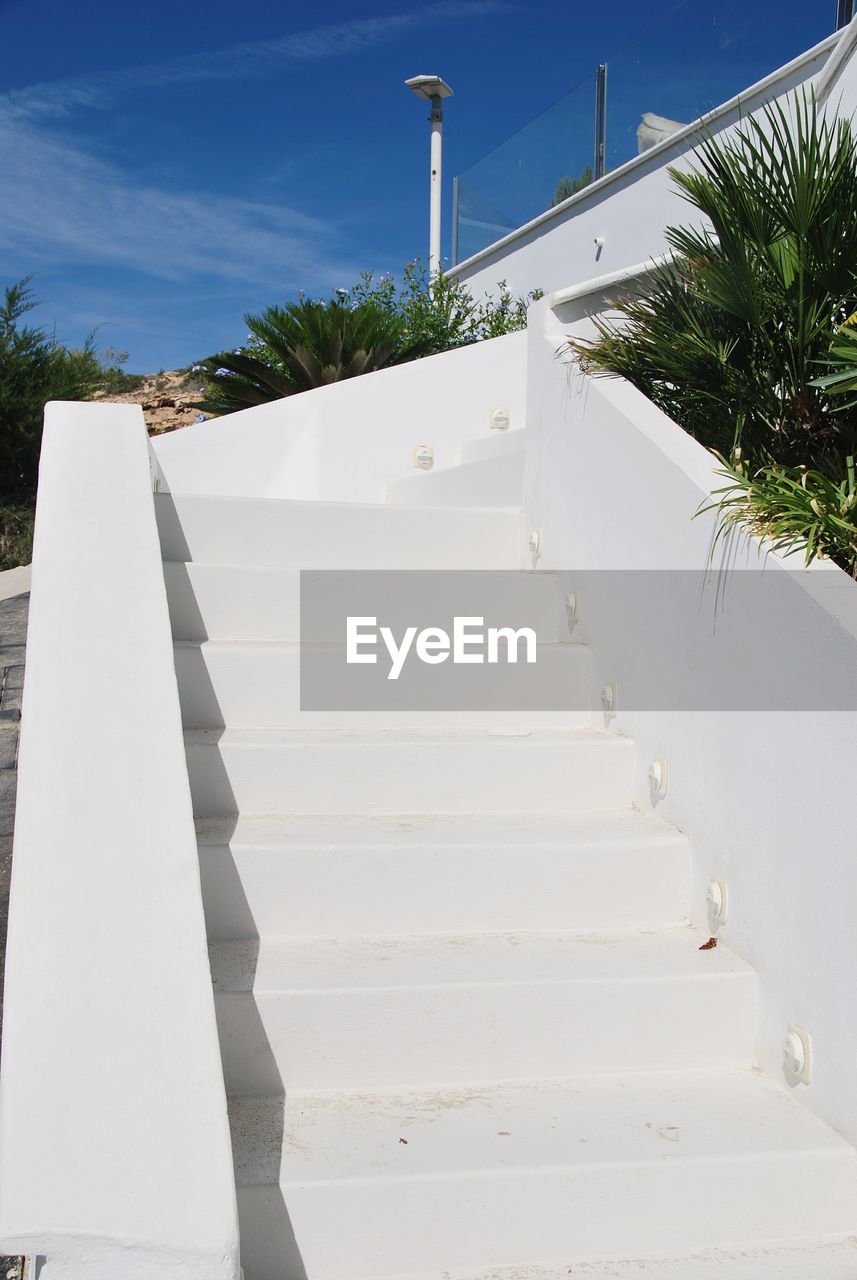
point(115, 1156)
point(597, 284)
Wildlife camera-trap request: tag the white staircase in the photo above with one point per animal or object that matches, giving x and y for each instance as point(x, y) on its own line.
point(488, 472)
point(466, 1026)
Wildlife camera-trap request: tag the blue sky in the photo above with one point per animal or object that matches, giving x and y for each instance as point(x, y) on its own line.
point(165, 167)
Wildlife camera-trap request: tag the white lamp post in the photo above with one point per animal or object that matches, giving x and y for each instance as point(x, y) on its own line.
point(432, 89)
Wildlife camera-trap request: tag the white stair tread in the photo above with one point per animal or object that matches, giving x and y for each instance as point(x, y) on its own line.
point(288, 533)
point(812, 1260)
point(596, 738)
point(444, 770)
point(359, 874)
point(478, 959)
point(361, 831)
point(581, 1122)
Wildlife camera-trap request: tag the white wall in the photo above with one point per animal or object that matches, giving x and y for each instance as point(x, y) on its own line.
point(343, 443)
point(765, 796)
point(628, 208)
point(115, 1156)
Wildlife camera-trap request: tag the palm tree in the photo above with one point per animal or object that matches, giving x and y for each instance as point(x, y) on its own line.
point(729, 337)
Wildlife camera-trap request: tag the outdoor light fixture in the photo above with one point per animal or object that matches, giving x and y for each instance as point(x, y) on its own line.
point(657, 775)
point(432, 89)
point(423, 457)
point(717, 901)
point(797, 1055)
point(609, 699)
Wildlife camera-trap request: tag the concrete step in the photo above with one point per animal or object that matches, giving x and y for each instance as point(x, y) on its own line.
point(388, 772)
point(356, 875)
point(242, 684)
point(494, 444)
point(821, 1259)
point(410, 1011)
point(485, 482)
point(240, 602)
point(233, 602)
point(283, 534)
point(582, 1170)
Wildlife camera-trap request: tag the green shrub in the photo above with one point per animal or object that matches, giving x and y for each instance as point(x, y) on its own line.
point(16, 534)
point(374, 325)
point(730, 339)
point(299, 346)
point(34, 368)
point(115, 381)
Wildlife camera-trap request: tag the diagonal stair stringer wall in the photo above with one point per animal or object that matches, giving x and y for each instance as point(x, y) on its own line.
point(760, 764)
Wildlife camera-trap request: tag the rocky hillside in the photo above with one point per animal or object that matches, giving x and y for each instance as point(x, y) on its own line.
point(168, 399)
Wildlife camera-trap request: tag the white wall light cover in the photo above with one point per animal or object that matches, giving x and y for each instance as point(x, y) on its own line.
point(423, 457)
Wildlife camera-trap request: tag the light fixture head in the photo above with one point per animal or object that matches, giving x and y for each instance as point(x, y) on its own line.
point(429, 87)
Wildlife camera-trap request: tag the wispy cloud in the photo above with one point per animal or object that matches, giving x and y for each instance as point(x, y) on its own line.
point(239, 62)
point(64, 204)
point(60, 204)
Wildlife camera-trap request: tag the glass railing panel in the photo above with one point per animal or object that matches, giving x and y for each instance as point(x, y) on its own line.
point(543, 163)
point(692, 59)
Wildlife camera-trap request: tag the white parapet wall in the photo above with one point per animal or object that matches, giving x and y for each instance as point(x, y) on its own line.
point(764, 784)
point(620, 219)
point(115, 1157)
point(346, 441)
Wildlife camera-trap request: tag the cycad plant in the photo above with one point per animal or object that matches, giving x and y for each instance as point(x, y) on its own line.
point(731, 337)
point(303, 345)
point(375, 324)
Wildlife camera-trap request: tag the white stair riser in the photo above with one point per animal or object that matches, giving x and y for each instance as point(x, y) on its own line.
point(494, 444)
point(236, 602)
point(319, 535)
point(258, 686)
point(491, 482)
point(232, 602)
point(390, 1227)
point(414, 1036)
point(251, 890)
point(461, 775)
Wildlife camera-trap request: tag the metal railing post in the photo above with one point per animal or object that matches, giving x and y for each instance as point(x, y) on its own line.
point(455, 199)
point(601, 118)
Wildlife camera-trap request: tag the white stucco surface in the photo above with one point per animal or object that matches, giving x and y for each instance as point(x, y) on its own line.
point(345, 442)
point(115, 1157)
point(764, 795)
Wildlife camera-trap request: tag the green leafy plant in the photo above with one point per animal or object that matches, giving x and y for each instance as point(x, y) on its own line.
point(303, 345)
point(441, 314)
point(728, 338)
point(34, 368)
point(115, 381)
point(16, 533)
point(795, 509)
point(842, 359)
point(567, 187)
point(373, 325)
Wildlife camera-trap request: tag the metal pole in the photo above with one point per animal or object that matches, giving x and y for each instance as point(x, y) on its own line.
point(456, 198)
point(436, 118)
point(844, 13)
point(601, 119)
